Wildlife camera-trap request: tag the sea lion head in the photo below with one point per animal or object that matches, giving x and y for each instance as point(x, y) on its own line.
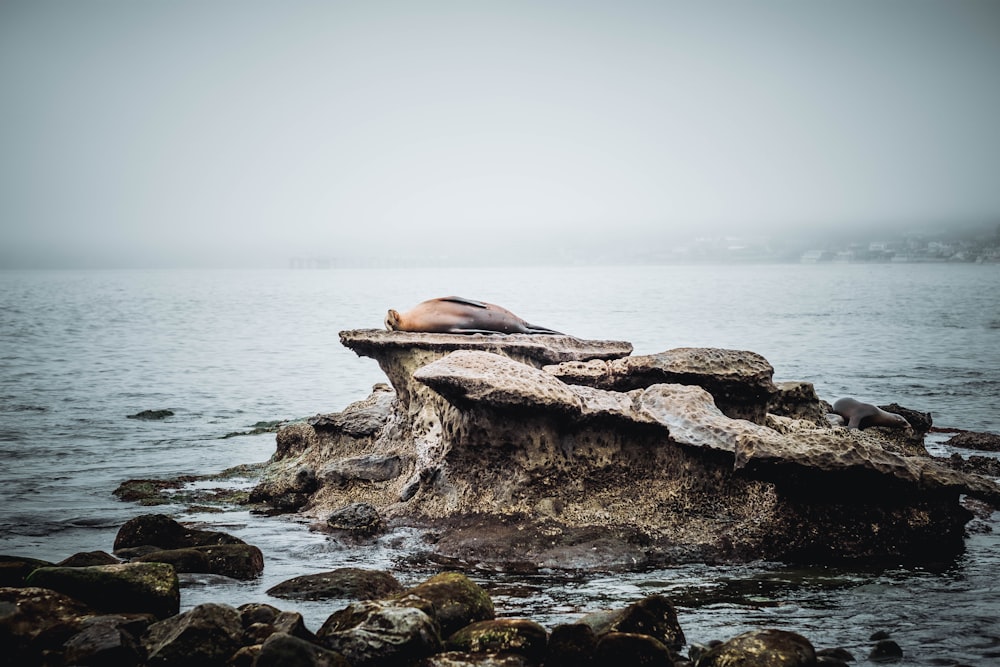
point(898, 421)
point(392, 320)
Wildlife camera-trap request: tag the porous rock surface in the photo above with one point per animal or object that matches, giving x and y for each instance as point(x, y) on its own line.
point(523, 452)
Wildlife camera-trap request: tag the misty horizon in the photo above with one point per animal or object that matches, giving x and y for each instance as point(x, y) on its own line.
point(222, 134)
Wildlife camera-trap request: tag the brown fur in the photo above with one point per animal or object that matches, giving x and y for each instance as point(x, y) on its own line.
point(453, 314)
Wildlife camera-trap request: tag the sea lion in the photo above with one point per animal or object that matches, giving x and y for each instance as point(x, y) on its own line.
point(861, 415)
point(453, 314)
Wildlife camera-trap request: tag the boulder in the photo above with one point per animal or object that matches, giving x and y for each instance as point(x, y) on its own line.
point(346, 582)
point(208, 634)
point(515, 635)
point(454, 600)
point(15, 569)
point(762, 648)
point(380, 633)
point(237, 561)
point(283, 650)
point(570, 645)
point(653, 616)
point(88, 558)
point(36, 620)
point(104, 640)
point(627, 648)
point(127, 587)
point(162, 531)
point(356, 519)
point(462, 659)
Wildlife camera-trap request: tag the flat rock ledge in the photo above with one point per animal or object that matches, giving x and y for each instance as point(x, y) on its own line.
point(524, 452)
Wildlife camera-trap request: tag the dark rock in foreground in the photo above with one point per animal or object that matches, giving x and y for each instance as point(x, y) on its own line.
point(128, 587)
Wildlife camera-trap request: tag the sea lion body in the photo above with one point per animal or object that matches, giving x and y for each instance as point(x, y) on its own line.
point(454, 314)
point(862, 415)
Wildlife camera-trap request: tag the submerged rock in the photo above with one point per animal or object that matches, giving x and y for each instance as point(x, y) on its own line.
point(151, 415)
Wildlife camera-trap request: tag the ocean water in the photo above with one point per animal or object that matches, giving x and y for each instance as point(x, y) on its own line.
point(80, 351)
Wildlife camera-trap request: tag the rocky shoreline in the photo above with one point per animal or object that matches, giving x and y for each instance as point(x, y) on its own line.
point(515, 454)
point(100, 609)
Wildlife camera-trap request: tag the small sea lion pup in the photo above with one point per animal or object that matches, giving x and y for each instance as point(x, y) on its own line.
point(862, 415)
point(453, 314)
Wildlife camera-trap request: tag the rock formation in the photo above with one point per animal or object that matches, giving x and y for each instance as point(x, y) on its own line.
point(528, 451)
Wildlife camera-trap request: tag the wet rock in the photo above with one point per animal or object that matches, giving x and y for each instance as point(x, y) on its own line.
point(36, 620)
point(456, 601)
point(570, 645)
point(282, 650)
point(162, 531)
point(152, 415)
point(183, 560)
point(984, 442)
point(380, 633)
point(762, 648)
point(208, 634)
point(15, 569)
point(461, 659)
point(654, 616)
point(835, 654)
point(980, 465)
point(257, 612)
point(798, 400)
point(127, 587)
point(356, 518)
point(104, 641)
point(88, 558)
point(347, 582)
point(739, 381)
point(626, 648)
point(368, 468)
point(237, 561)
point(886, 650)
point(514, 635)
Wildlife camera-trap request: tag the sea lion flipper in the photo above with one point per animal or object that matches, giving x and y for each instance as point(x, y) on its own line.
point(543, 330)
point(463, 300)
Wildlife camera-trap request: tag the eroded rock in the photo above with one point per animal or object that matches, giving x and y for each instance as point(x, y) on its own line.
point(524, 452)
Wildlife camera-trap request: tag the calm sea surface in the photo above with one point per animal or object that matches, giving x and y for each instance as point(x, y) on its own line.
point(79, 351)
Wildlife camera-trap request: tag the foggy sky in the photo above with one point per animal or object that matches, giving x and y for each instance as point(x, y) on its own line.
point(246, 132)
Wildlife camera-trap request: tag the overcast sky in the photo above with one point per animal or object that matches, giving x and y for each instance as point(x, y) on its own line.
point(169, 132)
